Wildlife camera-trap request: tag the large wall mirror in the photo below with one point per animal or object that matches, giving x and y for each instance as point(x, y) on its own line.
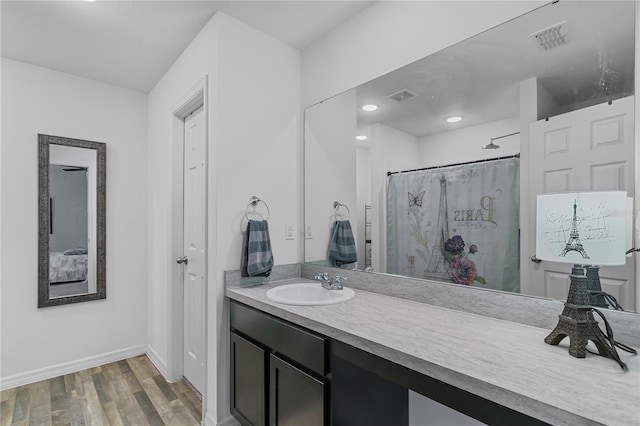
point(440, 176)
point(72, 179)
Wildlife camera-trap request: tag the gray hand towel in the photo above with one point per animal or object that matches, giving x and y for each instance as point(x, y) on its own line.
point(342, 249)
point(257, 258)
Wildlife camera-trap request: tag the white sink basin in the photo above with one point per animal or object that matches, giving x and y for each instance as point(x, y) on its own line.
point(308, 294)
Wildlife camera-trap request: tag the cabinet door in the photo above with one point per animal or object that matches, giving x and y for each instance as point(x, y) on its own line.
point(248, 388)
point(295, 398)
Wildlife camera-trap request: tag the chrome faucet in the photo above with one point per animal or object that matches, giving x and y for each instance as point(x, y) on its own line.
point(331, 283)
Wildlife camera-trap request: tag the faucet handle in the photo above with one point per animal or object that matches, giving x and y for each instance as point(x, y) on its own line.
point(322, 276)
point(339, 278)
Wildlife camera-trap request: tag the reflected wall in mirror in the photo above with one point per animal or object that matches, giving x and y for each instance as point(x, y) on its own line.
point(72, 231)
point(550, 94)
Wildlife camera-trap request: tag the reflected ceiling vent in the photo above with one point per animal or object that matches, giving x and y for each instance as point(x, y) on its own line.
point(551, 37)
point(402, 95)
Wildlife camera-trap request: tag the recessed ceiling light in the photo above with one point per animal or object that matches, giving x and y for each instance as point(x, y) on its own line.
point(454, 119)
point(361, 137)
point(370, 107)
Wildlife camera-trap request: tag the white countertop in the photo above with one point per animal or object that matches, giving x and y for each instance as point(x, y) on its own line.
point(501, 361)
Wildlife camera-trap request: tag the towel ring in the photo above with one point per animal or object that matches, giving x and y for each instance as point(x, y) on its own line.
point(253, 202)
point(337, 205)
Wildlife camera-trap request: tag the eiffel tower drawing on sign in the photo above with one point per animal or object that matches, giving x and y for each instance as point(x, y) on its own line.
point(437, 265)
point(574, 243)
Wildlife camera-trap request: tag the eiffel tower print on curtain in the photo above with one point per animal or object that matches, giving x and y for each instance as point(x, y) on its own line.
point(574, 243)
point(459, 225)
point(437, 267)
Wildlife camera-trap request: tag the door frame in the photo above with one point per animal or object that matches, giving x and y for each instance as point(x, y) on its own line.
point(193, 99)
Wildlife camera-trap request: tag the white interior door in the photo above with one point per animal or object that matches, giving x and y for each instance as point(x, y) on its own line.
point(194, 247)
point(591, 149)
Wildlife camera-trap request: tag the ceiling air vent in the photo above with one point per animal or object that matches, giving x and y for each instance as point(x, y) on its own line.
point(551, 37)
point(402, 95)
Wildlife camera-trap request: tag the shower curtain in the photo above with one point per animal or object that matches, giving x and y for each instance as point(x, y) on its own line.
point(458, 224)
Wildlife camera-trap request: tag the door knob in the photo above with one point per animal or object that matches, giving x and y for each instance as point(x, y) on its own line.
point(535, 259)
point(182, 259)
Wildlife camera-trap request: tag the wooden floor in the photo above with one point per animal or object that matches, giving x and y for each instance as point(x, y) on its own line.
point(129, 392)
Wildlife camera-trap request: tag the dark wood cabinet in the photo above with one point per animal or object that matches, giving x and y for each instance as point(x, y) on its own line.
point(295, 397)
point(285, 375)
point(360, 397)
point(278, 371)
point(248, 384)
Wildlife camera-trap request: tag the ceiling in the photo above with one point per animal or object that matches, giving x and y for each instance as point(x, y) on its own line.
point(132, 44)
point(479, 78)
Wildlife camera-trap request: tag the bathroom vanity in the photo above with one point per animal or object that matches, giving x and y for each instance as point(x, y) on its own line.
point(355, 362)
point(276, 368)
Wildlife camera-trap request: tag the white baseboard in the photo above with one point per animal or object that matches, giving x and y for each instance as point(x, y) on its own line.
point(229, 421)
point(70, 367)
point(157, 361)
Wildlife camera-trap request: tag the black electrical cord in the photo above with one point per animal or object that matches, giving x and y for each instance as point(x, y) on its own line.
point(611, 300)
point(632, 250)
point(607, 340)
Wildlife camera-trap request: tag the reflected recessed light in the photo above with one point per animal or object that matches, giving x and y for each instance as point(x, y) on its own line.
point(361, 137)
point(454, 119)
point(370, 107)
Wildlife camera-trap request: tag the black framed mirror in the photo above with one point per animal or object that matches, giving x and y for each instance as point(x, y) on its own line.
point(72, 221)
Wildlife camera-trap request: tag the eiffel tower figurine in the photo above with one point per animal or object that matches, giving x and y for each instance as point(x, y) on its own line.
point(437, 265)
point(574, 317)
point(574, 243)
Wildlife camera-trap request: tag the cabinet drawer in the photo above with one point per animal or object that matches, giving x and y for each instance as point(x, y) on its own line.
point(294, 343)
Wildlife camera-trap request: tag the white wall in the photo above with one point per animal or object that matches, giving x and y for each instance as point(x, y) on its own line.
point(258, 134)
point(459, 146)
point(198, 60)
point(330, 155)
point(254, 133)
point(391, 34)
point(36, 341)
point(391, 151)
point(363, 197)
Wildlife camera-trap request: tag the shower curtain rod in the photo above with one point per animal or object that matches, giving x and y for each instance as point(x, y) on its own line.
point(504, 136)
point(456, 164)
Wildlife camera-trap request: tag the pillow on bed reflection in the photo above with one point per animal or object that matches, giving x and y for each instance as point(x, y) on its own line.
point(75, 252)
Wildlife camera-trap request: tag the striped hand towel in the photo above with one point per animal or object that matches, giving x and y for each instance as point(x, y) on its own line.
point(342, 249)
point(257, 258)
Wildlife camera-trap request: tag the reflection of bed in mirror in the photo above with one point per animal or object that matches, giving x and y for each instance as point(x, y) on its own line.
point(68, 266)
point(68, 273)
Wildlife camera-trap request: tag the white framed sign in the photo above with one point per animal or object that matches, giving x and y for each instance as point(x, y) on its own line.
point(582, 227)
